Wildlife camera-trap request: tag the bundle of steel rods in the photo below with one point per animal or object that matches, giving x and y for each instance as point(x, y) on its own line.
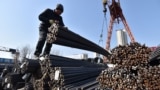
point(12, 78)
point(59, 61)
point(13, 81)
point(57, 72)
point(65, 37)
point(29, 66)
point(71, 78)
point(132, 70)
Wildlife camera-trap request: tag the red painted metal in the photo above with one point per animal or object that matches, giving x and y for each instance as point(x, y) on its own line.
point(116, 15)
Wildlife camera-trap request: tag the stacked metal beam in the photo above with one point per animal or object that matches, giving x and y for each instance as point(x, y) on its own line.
point(75, 78)
point(62, 36)
point(13, 81)
point(56, 72)
point(12, 78)
point(58, 61)
point(29, 66)
point(132, 71)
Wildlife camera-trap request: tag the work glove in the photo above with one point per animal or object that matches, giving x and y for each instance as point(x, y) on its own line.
point(51, 21)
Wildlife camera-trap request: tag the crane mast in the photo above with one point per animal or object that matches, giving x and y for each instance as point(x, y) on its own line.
point(115, 15)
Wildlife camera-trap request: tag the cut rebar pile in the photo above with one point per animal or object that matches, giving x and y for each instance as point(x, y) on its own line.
point(122, 78)
point(132, 71)
point(134, 54)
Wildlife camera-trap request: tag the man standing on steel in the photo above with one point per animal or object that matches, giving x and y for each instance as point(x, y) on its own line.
point(47, 18)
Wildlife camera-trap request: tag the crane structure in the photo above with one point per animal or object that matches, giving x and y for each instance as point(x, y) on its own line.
point(115, 15)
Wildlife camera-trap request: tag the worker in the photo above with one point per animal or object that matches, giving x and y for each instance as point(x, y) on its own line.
point(47, 18)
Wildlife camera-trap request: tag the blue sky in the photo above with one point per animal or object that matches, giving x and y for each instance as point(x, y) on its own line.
point(19, 21)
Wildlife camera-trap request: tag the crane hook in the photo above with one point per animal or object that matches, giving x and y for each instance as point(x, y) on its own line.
point(105, 2)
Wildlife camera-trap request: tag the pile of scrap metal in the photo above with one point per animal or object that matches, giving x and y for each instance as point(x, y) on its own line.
point(57, 72)
point(134, 69)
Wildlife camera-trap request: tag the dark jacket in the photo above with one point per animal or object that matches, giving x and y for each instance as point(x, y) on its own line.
point(47, 15)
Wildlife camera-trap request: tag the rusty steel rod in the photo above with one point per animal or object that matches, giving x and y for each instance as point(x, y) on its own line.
point(29, 66)
point(69, 38)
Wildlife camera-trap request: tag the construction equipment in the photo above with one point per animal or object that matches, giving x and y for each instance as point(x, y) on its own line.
point(116, 15)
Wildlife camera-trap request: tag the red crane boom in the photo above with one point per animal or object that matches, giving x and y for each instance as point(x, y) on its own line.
point(115, 15)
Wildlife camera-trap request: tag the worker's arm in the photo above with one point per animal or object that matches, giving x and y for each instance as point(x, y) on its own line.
point(43, 16)
point(61, 22)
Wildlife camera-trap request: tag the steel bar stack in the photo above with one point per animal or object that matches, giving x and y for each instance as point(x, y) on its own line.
point(56, 72)
point(59, 61)
point(71, 78)
point(132, 70)
point(12, 78)
point(62, 36)
point(13, 81)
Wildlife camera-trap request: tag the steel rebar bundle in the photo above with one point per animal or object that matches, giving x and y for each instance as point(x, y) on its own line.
point(57, 72)
point(59, 35)
point(132, 71)
point(30, 66)
point(13, 81)
point(77, 78)
point(59, 61)
point(12, 78)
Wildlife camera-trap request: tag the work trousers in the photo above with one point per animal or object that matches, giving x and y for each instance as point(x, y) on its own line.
point(41, 42)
